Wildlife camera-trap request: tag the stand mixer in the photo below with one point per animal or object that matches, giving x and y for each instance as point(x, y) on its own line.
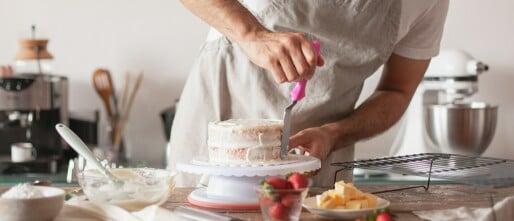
point(439, 119)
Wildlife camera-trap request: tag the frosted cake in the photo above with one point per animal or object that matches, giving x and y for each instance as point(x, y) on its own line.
point(242, 141)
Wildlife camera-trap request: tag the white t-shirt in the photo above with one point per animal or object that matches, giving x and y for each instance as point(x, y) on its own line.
point(421, 26)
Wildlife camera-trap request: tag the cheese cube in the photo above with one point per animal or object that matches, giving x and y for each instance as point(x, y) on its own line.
point(348, 190)
point(325, 201)
point(345, 189)
point(364, 204)
point(353, 204)
point(372, 200)
point(346, 196)
point(357, 193)
point(338, 197)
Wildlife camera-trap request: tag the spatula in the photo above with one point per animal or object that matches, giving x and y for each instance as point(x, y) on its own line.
point(297, 94)
point(78, 145)
point(104, 87)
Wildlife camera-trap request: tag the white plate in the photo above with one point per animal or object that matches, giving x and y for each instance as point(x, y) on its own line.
point(347, 214)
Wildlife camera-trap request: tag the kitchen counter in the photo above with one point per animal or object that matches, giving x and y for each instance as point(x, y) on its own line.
point(380, 179)
point(58, 179)
point(402, 202)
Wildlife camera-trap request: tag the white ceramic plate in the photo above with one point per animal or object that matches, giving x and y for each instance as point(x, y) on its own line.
point(347, 214)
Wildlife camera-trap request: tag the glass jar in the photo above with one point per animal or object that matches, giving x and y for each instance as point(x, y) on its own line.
point(33, 57)
point(108, 148)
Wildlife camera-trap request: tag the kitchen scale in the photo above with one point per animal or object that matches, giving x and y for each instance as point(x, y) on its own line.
point(234, 186)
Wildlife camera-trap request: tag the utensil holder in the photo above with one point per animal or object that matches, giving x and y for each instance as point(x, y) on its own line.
point(107, 149)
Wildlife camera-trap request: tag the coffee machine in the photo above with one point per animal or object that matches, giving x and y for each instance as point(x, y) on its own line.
point(32, 102)
point(440, 119)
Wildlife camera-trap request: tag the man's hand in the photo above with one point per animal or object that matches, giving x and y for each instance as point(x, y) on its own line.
point(317, 141)
point(289, 56)
point(399, 80)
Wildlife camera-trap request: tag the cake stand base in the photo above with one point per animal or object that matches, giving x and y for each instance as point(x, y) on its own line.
point(235, 186)
point(200, 197)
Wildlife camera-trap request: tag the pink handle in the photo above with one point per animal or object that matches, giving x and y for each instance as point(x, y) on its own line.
point(316, 46)
point(298, 91)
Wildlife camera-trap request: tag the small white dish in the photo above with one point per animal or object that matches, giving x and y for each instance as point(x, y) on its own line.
point(346, 214)
point(41, 208)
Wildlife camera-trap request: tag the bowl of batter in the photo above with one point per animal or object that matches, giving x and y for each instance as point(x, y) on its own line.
point(141, 187)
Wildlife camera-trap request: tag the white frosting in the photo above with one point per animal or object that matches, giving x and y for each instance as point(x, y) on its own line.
point(237, 133)
point(250, 139)
point(242, 124)
point(142, 187)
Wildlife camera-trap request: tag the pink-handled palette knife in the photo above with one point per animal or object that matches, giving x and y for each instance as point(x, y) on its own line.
point(297, 94)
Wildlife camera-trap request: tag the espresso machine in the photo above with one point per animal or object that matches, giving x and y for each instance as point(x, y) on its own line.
point(32, 102)
point(441, 117)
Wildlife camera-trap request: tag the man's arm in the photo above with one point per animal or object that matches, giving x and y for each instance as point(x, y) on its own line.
point(227, 16)
point(380, 111)
point(289, 56)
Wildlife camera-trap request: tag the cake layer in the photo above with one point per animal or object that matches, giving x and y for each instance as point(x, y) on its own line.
point(244, 155)
point(237, 133)
point(244, 140)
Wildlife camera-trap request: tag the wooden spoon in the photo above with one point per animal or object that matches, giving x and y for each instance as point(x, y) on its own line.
point(103, 85)
point(125, 110)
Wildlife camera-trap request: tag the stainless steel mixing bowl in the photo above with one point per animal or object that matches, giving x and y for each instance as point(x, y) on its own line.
point(462, 128)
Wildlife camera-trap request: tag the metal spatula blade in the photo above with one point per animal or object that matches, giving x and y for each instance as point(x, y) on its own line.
point(284, 146)
point(297, 94)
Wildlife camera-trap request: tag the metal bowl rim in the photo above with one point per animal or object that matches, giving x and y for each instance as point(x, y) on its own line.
point(468, 105)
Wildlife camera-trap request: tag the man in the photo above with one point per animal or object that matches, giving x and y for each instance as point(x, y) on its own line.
point(248, 70)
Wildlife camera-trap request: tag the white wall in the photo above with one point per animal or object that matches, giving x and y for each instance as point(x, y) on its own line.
point(159, 36)
point(486, 30)
point(163, 38)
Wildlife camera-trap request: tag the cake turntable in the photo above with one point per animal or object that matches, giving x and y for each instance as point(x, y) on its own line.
point(234, 186)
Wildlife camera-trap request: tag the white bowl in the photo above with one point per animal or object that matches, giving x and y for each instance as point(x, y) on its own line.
point(141, 187)
point(41, 208)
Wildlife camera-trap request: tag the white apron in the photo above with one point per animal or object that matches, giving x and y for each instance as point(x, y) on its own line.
point(356, 38)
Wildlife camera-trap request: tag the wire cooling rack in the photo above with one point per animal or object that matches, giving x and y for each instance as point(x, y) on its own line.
point(473, 170)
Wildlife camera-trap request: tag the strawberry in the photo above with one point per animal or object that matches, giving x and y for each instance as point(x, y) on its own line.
point(298, 181)
point(278, 183)
point(269, 192)
point(270, 185)
point(384, 217)
point(278, 211)
point(289, 200)
point(265, 201)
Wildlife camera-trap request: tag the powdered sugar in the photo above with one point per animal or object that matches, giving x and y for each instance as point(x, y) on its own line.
point(22, 191)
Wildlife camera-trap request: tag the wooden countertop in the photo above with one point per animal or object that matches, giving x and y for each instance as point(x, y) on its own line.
point(402, 202)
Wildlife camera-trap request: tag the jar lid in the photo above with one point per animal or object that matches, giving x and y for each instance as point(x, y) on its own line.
point(33, 49)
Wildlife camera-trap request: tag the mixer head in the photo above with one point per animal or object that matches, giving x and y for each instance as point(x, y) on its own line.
point(454, 63)
point(454, 73)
